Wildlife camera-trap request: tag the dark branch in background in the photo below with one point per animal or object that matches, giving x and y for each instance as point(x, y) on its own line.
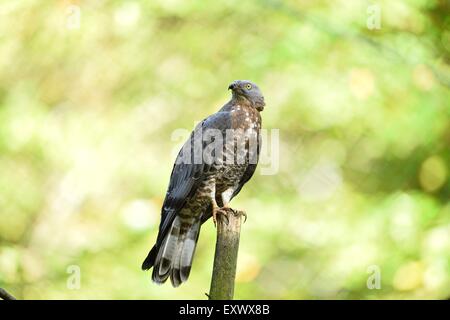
point(339, 32)
point(5, 295)
point(225, 258)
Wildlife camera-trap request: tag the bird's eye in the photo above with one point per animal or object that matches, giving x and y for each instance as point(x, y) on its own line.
point(248, 86)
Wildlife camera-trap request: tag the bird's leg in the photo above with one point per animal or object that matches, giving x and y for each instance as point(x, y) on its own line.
point(226, 198)
point(216, 210)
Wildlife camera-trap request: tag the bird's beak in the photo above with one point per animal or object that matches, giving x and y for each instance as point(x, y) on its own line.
point(232, 86)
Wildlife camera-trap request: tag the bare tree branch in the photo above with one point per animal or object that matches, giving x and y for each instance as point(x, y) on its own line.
point(5, 295)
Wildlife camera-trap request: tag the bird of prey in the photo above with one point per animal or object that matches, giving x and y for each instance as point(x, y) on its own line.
point(211, 168)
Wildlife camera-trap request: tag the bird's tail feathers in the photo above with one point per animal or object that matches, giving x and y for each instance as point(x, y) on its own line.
point(175, 255)
point(150, 260)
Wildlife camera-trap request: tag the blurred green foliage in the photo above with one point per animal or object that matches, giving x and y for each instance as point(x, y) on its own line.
point(91, 91)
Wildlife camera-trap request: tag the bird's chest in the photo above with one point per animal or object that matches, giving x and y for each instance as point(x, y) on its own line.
point(240, 144)
point(230, 176)
point(245, 118)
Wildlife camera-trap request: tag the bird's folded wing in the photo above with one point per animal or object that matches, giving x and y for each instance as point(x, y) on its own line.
point(187, 174)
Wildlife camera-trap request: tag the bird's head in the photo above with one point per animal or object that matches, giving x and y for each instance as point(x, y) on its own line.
point(247, 90)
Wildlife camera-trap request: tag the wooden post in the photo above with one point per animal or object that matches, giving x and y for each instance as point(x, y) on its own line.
point(225, 258)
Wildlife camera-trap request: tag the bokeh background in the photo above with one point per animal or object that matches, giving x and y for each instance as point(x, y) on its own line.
point(91, 92)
